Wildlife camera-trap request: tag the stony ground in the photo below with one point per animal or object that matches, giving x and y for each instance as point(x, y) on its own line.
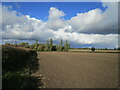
point(79, 70)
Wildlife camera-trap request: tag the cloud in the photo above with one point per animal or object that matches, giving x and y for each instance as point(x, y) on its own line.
point(56, 21)
point(55, 13)
point(96, 21)
point(95, 27)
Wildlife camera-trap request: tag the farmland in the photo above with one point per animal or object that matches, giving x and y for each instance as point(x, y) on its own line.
point(57, 44)
point(75, 68)
point(97, 51)
point(79, 70)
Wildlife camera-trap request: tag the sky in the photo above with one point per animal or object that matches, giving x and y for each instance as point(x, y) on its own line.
point(83, 24)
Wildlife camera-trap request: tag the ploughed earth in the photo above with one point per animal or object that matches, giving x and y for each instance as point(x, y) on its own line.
point(79, 70)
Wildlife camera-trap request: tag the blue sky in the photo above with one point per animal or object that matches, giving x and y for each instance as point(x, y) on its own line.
point(83, 24)
point(40, 10)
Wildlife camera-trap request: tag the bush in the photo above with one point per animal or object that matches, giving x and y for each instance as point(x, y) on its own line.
point(118, 48)
point(16, 59)
point(93, 49)
point(41, 47)
point(54, 48)
point(15, 80)
point(17, 66)
point(26, 45)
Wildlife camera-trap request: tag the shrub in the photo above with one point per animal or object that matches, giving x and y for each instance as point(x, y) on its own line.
point(118, 48)
point(7, 44)
point(41, 47)
point(93, 49)
point(17, 66)
point(51, 44)
point(66, 46)
point(16, 59)
point(54, 48)
point(26, 45)
point(47, 46)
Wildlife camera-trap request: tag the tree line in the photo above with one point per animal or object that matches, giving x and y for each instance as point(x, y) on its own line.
point(48, 46)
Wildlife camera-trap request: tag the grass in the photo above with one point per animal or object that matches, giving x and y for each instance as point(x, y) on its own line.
point(15, 80)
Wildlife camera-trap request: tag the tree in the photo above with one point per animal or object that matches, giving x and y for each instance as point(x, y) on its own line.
point(47, 46)
point(36, 45)
point(36, 41)
point(93, 49)
point(114, 48)
point(66, 46)
point(54, 48)
point(57, 47)
point(41, 47)
point(7, 44)
point(105, 48)
point(16, 43)
point(24, 44)
point(61, 45)
point(118, 48)
point(51, 44)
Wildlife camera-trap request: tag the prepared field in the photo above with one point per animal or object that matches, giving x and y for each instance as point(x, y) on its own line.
point(79, 70)
point(101, 51)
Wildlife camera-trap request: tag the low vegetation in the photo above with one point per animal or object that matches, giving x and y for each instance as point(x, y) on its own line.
point(93, 49)
point(48, 46)
point(19, 61)
point(18, 65)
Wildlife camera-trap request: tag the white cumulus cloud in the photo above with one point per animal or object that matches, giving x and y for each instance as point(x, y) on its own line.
point(95, 27)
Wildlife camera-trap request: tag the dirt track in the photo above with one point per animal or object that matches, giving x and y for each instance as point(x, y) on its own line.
point(79, 70)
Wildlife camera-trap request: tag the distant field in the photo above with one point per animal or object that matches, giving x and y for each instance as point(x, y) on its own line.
point(87, 50)
point(79, 70)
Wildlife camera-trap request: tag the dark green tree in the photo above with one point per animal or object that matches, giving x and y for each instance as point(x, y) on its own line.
point(57, 48)
point(66, 46)
point(36, 45)
point(47, 46)
point(24, 44)
point(41, 47)
point(93, 49)
point(61, 45)
point(51, 44)
point(36, 41)
point(118, 48)
point(54, 48)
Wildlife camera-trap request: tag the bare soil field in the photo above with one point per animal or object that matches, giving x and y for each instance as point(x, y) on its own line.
point(79, 70)
point(88, 50)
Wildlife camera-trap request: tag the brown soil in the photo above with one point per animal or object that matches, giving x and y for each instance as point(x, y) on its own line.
point(88, 50)
point(79, 70)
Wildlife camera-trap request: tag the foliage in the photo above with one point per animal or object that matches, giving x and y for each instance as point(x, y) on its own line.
point(66, 46)
point(47, 46)
point(105, 48)
point(41, 47)
point(54, 48)
point(118, 48)
point(17, 59)
point(7, 44)
point(93, 49)
point(16, 80)
point(32, 46)
point(51, 44)
point(17, 65)
point(26, 45)
point(44, 47)
point(60, 48)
